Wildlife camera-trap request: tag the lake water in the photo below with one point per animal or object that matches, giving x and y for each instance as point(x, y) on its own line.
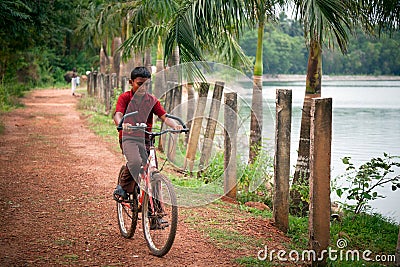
point(366, 123)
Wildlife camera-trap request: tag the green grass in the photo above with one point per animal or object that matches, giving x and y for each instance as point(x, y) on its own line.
point(251, 261)
point(10, 94)
point(229, 239)
point(100, 122)
point(365, 231)
point(71, 257)
point(361, 231)
point(2, 127)
point(256, 212)
point(220, 227)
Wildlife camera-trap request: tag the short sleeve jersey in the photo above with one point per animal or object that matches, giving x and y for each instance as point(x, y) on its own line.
point(146, 107)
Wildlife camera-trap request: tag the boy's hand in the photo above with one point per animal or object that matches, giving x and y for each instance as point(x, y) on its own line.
point(125, 127)
point(178, 127)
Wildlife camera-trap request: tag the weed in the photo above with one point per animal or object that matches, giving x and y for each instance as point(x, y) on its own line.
point(71, 257)
point(2, 127)
point(368, 177)
point(91, 104)
point(64, 242)
point(228, 238)
point(10, 94)
point(251, 261)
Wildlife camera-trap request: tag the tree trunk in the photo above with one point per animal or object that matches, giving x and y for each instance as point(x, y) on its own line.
point(116, 58)
point(313, 89)
point(256, 103)
point(159, 83)
point(138, 60)
point(147, 64)
point(174, 61)
point(103, 60)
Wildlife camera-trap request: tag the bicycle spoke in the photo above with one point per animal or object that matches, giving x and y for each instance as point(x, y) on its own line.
point(160, 227)
point(127, 214)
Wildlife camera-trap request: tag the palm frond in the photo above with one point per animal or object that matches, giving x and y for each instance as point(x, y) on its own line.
point(141, 40)
point(324, 21)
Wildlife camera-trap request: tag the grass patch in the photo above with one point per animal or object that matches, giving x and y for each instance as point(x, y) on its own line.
point(71, 257)
point(222, 229)
point(103, 126)
point(250, 262)
point(365, 231)
point(298, 232)
point(64, 242)
point(229, 239)
point(10, 93)
point(256, 212)
point(99, 122)
point(361, 231)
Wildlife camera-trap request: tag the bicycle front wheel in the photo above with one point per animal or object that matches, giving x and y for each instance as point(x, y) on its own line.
point(160, 222)
point(127, 213)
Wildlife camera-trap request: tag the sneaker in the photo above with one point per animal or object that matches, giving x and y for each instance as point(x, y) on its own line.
point(120, 194)
point(158, 223)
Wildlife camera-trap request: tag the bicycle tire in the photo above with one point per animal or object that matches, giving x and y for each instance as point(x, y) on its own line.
point(160, 239)
point(127, 212)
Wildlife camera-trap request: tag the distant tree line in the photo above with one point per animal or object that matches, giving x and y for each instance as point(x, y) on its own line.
point(39, 43)
point(285, 52)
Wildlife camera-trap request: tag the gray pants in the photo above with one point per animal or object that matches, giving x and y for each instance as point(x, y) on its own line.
point(136, 156)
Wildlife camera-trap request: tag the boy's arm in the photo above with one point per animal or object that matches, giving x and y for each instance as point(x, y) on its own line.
point(117, 117)
point(171, 123)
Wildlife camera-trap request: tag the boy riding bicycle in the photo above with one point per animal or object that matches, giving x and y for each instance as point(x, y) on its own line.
point(133, 144)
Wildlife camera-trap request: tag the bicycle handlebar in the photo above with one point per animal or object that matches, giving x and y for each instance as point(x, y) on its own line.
point(119, 127)
point(143, 127)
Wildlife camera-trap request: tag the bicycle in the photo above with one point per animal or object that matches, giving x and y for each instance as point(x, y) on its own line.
point(153, 196)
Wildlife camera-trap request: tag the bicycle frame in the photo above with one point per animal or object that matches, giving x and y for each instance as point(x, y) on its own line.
point(148, 169)
point(151, 165)
point(145, 175)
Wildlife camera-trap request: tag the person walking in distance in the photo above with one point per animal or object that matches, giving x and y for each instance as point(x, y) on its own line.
point(74, 81)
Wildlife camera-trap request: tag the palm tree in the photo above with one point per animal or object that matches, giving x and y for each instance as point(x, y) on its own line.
point(100, 24)
point(149, 19)
point(385, 14)
point(325, 22)
point(208, 26)
point(262, 10)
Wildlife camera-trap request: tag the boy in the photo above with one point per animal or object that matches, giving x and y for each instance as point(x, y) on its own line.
point(133, 143)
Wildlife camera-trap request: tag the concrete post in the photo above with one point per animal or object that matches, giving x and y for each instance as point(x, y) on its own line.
point(282, 158)
point(89, 81)
point(123, 84)
point(196, 126)
point(211, 125)
point(320, 174)
point(230, 121)
point(94, 84)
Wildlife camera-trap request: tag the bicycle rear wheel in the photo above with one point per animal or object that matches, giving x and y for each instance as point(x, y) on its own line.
point(160, 227)
point(127, 213)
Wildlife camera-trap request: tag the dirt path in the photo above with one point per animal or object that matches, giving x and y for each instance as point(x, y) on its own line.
point(56, 180)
